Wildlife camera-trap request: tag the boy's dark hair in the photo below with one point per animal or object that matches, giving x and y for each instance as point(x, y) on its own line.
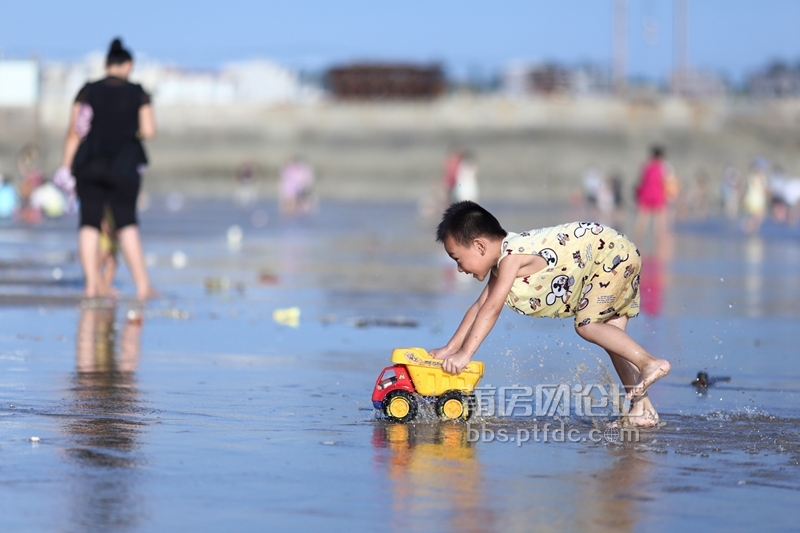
point(465, 221)
point(117, 55)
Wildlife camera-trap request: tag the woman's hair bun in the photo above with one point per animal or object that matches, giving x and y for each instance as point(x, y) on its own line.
point(117, 54)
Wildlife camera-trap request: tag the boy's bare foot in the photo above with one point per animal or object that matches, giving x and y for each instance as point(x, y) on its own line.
point(641, 415)
point(651, 373)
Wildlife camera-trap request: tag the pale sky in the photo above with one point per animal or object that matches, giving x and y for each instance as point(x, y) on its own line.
point(730, 37)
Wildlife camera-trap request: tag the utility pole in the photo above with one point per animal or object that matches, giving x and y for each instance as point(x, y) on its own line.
point(620, 38)
point(680, 67)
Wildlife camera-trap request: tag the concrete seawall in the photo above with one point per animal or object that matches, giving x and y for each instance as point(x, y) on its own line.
point(530, 147)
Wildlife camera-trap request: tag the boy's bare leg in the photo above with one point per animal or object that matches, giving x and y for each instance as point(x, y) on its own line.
point(611, 336)
point(88, 239)
point(641, 413)
point(131, 246)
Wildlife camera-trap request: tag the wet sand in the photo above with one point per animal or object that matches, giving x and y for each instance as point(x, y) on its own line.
point(211, 416)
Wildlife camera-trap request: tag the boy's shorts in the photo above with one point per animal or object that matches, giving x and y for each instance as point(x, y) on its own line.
point(612, 286)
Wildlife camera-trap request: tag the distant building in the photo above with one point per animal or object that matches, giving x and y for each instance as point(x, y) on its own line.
point(549, 79)
point(778, 80)
point(697, 84)
point(385, 81)
point(19, 83)
point(255, 82)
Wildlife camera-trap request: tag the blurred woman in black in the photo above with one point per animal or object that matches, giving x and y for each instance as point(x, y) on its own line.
point(107, 163)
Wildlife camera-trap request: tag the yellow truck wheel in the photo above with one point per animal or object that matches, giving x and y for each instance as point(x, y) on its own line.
point(454, 405)
point(400, 406)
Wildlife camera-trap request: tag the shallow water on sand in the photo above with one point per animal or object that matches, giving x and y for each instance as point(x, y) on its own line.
point(211, 416)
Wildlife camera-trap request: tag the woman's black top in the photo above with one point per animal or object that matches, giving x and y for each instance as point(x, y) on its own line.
point(112, 149)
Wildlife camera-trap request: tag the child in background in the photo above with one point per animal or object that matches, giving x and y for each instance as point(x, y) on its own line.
point(580, 269)
point(296, 188)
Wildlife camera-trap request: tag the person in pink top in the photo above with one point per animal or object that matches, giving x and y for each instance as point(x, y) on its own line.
point(651, 199)
point(296, 188)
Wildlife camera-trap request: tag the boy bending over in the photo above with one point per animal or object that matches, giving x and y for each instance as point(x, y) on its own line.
point(580, 269)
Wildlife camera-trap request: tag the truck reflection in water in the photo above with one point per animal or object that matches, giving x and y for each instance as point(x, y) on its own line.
point(433, 470)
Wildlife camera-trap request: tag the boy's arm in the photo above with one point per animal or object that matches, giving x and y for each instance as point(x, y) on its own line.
point(454, 344)
point(496, 292)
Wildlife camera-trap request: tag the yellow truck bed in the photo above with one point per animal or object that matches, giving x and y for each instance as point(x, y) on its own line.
point(429, 378)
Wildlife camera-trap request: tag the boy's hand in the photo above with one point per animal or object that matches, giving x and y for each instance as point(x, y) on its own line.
point(455, 363)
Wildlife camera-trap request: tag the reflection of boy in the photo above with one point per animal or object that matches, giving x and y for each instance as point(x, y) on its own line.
point(579, 269)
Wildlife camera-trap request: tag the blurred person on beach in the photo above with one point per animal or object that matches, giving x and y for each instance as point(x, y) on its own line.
point(697, 196)
point(9, 198)
point(444, 192)
point(580, 269)
point(466, 187)
point(296, 188)
point(651, 199)
point(791, 195)
point(107, 165)
point(48, 200)
point(672, 191)
point(730, 193)
point(246, 190)
point(614, 186)
point(450, 175)
point(785, 197)
point(31, 178)
point(592, 182)
point(756, 197)
point(38, 195)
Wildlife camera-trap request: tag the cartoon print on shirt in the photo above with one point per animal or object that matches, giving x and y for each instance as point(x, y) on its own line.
point(584, 300)
point(560, 287)
point(583, 227)
point(615, 263)
point(550, 256)
point(535, 303)
point(563, 238)
point(576, 256)
point(628, 271)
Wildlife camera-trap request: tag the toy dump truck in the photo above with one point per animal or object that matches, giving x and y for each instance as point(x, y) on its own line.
point(415, 374)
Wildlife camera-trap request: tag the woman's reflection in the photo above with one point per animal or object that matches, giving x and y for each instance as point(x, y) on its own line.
point(104, 419)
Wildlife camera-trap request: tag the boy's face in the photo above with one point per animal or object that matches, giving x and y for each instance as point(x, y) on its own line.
point(474, 259)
